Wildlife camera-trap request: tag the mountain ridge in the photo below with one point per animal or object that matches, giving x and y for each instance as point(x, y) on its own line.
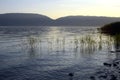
point(33, 19)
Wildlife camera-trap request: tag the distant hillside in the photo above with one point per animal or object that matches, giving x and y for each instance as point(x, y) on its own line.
point(29, 19)
point(85, 20)
point(24, 19)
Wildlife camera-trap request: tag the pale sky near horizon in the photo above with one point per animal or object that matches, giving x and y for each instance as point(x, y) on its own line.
point(59, 8)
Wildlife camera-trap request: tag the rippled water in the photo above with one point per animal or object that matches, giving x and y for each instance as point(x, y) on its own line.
point(50, 53)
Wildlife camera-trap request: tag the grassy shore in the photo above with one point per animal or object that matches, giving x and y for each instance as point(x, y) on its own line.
point(111, 29)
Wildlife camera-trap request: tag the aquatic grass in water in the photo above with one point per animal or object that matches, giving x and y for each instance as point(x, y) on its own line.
point(83, 44)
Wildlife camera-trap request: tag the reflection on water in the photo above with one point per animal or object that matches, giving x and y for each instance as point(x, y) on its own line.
point(116, 39)
point(31, 46)
point(53, 52)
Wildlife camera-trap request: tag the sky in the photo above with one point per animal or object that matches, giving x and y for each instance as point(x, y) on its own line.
point(59, 8)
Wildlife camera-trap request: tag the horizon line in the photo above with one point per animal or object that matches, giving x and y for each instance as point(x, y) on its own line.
point(61, 16)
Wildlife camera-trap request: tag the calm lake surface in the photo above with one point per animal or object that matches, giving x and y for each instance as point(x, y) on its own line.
point(50, 53)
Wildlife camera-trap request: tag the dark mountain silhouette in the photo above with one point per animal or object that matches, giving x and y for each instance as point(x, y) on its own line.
point(29, 19)
point(24, 19)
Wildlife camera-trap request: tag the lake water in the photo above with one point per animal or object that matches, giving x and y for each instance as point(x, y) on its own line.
point(50, 53)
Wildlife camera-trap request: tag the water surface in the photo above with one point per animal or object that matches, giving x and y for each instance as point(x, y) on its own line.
point(50, 53)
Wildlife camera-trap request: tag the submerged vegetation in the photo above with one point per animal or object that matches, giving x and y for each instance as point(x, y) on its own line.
point(111, 29)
